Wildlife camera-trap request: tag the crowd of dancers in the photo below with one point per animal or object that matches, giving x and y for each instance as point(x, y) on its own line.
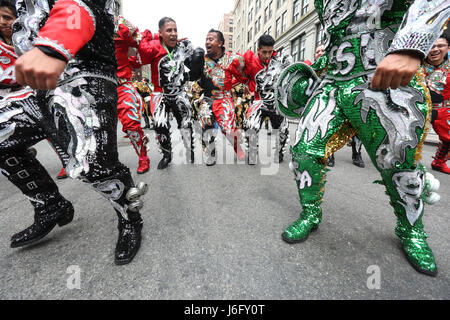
point(71, 82)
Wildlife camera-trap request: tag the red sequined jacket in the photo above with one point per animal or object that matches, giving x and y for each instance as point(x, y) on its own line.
point(168, 72)
point(263, 77)
point(127, 36)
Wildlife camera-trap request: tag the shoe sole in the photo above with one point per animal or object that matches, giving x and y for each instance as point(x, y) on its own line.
point(130, 259)
point(420, 270)
point(439, 170)
point(292, 241)
point(32, 241)
point(60, 223)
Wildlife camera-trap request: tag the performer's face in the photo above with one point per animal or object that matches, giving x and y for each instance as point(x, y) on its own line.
point(213, 45)
point(319, 52)
point(437, 53)
point(7, 19)
point(169, 34)
point(265, 53)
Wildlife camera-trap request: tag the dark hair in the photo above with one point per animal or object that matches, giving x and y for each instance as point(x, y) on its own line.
point(220, 36)
point(163, 22)
point(10, 5)
point(445, 36)
point(266, 41)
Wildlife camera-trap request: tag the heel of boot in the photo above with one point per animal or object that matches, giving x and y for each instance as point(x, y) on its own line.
point(66, 218)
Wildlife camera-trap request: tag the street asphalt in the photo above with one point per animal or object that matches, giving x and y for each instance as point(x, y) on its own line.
point(215, 233)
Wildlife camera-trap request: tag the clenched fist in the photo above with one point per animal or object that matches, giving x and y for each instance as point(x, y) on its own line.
point(396, 70)
point(38, 70)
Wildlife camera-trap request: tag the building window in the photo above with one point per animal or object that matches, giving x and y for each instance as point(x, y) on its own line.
point(302, 49)
point(269, 31)
point(257, 5)
point(270, 9)
point(278, 4)
point(305, 4)
point(298, 48)
point(258, 25)
point(231, 29)
point(250, 34)
point(284, 22)
point(319, 34)
point(296, 11)
point(278, 28)
point(294, 49)
point(250, 16)
point(266, 14)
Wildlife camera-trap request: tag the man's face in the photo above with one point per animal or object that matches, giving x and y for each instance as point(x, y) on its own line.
point(169, 34)
point(319, 52)
point(438, 51)
point(265, 53)
point(7, 19)
point(213, 45)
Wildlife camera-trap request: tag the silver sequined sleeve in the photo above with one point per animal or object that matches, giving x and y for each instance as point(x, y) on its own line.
point(422, 26)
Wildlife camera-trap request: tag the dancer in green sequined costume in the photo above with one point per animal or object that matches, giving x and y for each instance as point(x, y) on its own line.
point(390, 123)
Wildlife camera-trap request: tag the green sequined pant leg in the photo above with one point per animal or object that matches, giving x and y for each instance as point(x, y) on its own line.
point(320, 123)
point(404, 181)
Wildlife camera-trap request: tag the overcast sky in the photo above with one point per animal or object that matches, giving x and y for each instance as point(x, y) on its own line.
point(194, 18)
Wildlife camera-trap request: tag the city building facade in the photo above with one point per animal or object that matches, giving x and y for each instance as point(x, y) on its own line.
point(226, 26)
point(293, 24)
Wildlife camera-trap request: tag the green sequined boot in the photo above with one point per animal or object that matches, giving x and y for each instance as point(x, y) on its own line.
point(310, 177)
point(414, 244)
point(407, 190)
point(299, 231)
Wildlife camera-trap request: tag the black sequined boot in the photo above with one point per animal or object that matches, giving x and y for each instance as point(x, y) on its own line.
point(45, 219)
point(129, 240)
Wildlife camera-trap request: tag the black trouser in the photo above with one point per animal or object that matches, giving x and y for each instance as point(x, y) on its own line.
point(181, 108)
point(259, 112)
point(88, 143)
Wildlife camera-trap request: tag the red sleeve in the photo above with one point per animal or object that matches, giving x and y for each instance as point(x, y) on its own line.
point(148, 47)
point(248, 57)
point(237, 69)
point(70, 26)
point(309, 63)
point(135, 62)
point(128, 33)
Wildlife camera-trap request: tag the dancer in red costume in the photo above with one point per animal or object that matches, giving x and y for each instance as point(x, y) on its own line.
point(167, 57)
point(130, 104)
point(263, 70)
point(217, 72)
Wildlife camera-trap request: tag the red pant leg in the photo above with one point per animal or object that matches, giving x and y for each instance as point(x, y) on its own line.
point(224, 113)
point(442, 124)
point(129, 107)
